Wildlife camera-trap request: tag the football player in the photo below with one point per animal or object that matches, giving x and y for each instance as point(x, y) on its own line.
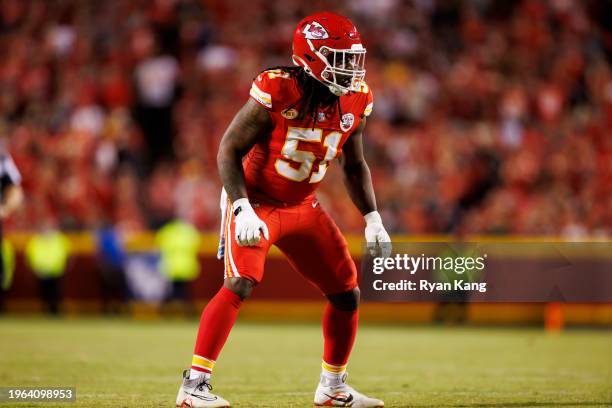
point(271, 160)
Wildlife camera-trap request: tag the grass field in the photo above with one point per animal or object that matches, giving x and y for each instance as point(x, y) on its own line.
point(122, 363)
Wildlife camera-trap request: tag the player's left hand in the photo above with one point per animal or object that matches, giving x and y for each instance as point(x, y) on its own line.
point(377, 239)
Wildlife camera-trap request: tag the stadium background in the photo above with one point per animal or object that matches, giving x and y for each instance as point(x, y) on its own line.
point(491, 121)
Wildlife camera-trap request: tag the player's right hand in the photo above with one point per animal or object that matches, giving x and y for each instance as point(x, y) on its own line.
point(249, 226)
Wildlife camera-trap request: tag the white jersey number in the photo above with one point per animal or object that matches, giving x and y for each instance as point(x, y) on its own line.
point(305, 158)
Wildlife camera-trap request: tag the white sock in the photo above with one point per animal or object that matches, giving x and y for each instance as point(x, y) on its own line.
point(332, 375)
point(195, 374)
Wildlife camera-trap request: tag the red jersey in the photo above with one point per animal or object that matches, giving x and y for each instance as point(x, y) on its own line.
point(287, 166)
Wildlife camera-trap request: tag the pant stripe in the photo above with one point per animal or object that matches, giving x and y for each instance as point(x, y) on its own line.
point(231, 270)
point(228, 239)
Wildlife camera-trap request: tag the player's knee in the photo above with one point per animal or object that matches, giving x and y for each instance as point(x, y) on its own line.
point(240, 286)
point(347, 301)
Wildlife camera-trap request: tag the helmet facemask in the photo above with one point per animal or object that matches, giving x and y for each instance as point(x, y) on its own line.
point(344, 68)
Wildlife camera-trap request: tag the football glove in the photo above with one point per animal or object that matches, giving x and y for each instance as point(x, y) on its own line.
point(248, 225)
point(377, 239)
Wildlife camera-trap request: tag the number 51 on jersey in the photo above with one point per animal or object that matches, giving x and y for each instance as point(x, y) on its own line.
point(305, 158)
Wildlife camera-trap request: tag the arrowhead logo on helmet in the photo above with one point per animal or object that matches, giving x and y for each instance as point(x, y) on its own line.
point(315, 31)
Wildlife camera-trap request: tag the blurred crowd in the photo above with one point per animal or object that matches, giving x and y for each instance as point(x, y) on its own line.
point(490, 117)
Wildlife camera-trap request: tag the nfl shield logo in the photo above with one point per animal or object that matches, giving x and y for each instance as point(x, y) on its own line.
point(347, 121)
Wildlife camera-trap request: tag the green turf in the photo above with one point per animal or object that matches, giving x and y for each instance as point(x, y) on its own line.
point(121, 363)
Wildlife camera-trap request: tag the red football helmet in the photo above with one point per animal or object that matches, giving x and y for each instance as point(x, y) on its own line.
point(328, 47)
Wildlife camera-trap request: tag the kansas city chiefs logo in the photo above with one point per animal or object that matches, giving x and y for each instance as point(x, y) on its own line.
point(347, 121)
point(315, 31)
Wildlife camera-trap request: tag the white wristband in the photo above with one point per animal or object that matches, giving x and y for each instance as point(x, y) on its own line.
point(372, 218)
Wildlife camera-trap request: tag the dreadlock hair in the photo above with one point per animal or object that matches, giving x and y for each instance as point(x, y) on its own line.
point(315, 95)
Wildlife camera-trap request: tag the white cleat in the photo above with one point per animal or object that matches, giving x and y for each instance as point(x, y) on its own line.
point(340, 394)
point(196, 394)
